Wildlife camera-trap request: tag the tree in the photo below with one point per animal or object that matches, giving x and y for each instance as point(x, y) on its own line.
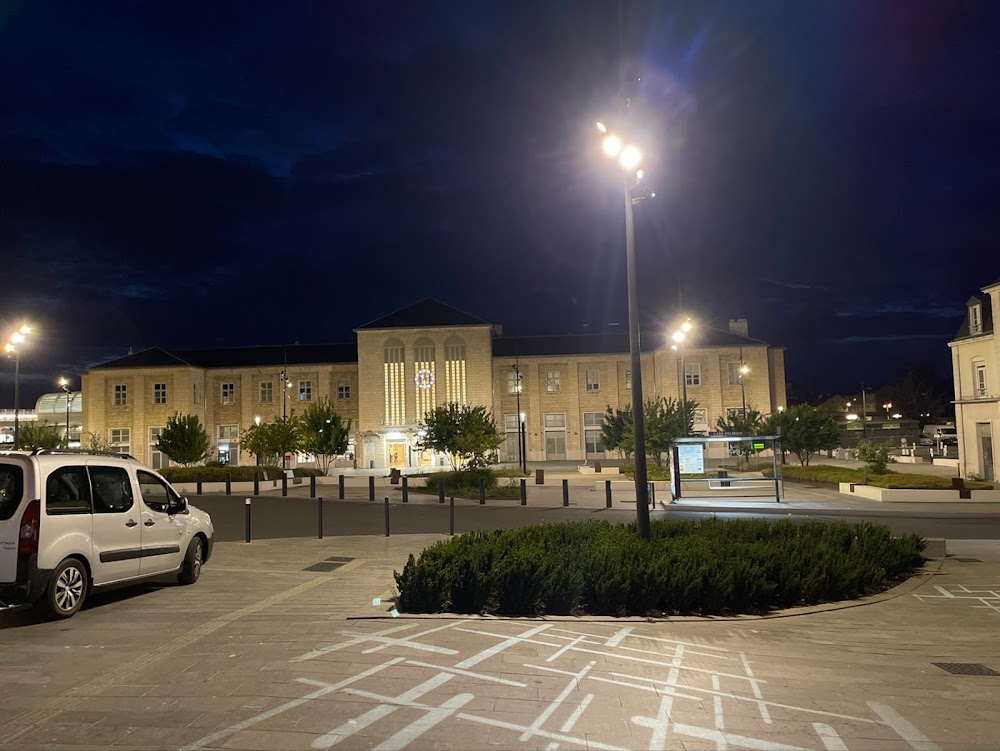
point(777, 423)
point(469, 434)
point(617, 431)
point(875, 455)
point(184, 440)
point(39, 436)
point(97, 442)
point(665, 423)
point(742, 423)
point(324, 432)
point(261, 441)
point(808, 430)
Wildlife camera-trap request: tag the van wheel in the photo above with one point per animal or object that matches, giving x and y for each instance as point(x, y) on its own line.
point(191, 569)
point(67, 589)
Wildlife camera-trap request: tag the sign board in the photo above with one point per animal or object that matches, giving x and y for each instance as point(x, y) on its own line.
point(758, 447)
point(691, 458)
point(855, 426)
point(890, 426)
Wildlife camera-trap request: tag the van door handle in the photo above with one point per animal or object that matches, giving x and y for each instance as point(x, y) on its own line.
point(148, 523)
point(131, 523)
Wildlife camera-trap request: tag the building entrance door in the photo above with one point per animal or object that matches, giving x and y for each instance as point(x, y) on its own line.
point(986, 450)
point(395, 454)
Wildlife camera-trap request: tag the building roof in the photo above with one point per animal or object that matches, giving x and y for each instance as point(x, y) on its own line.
point(238, 357)
point(424, 314)
point(986, 308)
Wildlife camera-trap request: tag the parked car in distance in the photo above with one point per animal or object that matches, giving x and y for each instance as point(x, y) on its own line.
point(932, 435)
point(75, 521)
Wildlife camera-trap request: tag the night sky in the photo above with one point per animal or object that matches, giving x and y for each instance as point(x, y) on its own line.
point(192, 174)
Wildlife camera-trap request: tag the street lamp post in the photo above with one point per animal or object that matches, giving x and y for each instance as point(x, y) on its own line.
point(11, 348)
point(285, 385)
point(744, 369)
point(64, 384)
point(522, 450)
point(679, 337)
point(629, 157)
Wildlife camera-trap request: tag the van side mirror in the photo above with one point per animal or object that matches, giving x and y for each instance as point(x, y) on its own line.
point(178, 506)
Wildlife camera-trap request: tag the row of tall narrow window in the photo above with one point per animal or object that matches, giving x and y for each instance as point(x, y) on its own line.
point(227, 392)
point(424, 374)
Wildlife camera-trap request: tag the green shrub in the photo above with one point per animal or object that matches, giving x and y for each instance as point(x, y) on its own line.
point(874, 454)
point(215, 472)
point(465, 483)
point(824, 473)
point(707, 567)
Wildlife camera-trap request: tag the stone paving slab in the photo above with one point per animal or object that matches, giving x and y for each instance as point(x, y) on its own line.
point(263, 654)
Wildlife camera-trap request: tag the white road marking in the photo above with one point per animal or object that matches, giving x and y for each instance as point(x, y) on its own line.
point(327, 688)
point(831, 741)
point(577, 713)
point(498, 648)
point(944, 592)
point(615, 640)
point(764, 714)
point(566, 648)
point(407, 641)
point(588, 743)
point(741, 741)
point(720, 720)
point(352, 642)
point(468, 674)
point(662, 722)
point(414, 730)
point(352, 726)
point(574, 683)
point(907, 731)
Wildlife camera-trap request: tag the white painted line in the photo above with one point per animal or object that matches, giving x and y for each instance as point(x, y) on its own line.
point(407, 641)
point(345, 644)
point(468, 674)
point(661, 663)
point(615, 640)
point(908, 732)
point(755, 688)
point(647, 638)
point(944, 592)
point(661, 725)
point(577, 714)
point(831, 741)
point(720, 721)
point(407, 698)
point(552, 747)
point(327, 688)
point(434, 717)
point(574, 683)
point(588, 743)
point(566, 648)
point(690, 652)
point(741, 741)
point(498, 648)
point(352, 726)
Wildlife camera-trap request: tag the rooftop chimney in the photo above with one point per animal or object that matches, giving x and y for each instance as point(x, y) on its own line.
point(739, 327)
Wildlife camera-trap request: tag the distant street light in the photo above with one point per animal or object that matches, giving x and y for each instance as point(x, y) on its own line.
point(64, 383)
point(629, 158)
point(12, 349)
point(679, 336)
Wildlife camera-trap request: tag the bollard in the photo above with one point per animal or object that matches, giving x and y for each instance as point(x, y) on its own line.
point(284, 485)
point(229, 483)
point(607, 493)
point(340, 487)
point(387, 517)
point(565, 492)
point(482, 491)
point(652, 495)
point(256, 484)
point(441, 490)
point(197, 478)
point(451, 518)
point(406, 490)
point(319, 512)
point(312, 486)
point(524, 492)
point(247, 507)
point(371, 487)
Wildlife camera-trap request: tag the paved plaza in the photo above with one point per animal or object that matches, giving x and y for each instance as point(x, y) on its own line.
point(293, 644)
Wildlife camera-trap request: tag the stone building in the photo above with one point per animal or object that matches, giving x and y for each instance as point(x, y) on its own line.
point(425, 355)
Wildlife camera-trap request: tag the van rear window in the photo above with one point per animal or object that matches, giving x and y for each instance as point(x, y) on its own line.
point(11, 489)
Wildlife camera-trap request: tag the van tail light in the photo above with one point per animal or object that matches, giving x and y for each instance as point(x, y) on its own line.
point(27, 543)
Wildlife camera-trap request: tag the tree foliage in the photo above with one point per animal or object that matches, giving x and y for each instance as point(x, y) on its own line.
point(323, 432)
point(617, 433)
point(874, 454)
point(32, 435)
point(806, 430)
point(664, 422)
point(467, 433)
point(184, 440)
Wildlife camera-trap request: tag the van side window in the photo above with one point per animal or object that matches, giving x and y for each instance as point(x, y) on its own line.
point(67, 491)
point(154, 492)
point(112, 490)
point(11, 489)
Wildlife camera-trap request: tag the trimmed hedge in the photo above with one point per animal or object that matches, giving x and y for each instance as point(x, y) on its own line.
point(833, 475)
point(239, 474)
point(465, 483)
point(707, 567)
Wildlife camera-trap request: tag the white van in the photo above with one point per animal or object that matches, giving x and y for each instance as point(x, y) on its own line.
point(72, 521)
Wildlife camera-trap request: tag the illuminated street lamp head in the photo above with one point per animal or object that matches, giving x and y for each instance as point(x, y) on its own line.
point(601, 127)
point(8, 348)
point(612, 145)
point(64, 382)
point(678, 336)
point(687, 326)
point(17, 337)
point(744, 369)
point(630, 158)
point(25, 329)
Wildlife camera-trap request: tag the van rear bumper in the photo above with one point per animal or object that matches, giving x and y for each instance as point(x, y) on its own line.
point(30, 585)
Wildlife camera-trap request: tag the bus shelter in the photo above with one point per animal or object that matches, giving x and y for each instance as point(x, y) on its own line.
point(726, 467)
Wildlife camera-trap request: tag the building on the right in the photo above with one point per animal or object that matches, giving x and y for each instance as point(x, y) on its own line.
point(975, 363)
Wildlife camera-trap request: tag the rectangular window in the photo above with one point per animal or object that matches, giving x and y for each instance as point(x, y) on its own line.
point(266, 392)
point(229, 432)
point(628, 380)
point(510, 422)
point(343, 389)
point(734, 411)
point(975, 320)
point(305, 391)
point(592, 422)
point(67, 491)
point(552, 381)
point(980, 380)
point(121, 395)
point(159, 393)
point(228, 393)
point(733, 373)
point(593, 380)
point(513, 381)
point(555, 420)
point(120, 442)
point(700, 416)
point(692, 373)
point(157, 460)
point(195, 396)
point(228, 437)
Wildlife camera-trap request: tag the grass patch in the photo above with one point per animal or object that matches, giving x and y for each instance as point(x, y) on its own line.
point(707, 567)
point(238, 474)
point(824, 473)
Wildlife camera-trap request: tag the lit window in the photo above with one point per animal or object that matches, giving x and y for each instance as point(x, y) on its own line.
point(228, 393)
point(552, 381)
point(121, 395)
point(343, 389)
point(266, 392)
point(593, 380)
point(692, 373)
point(159, 393)
point(305, 391)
